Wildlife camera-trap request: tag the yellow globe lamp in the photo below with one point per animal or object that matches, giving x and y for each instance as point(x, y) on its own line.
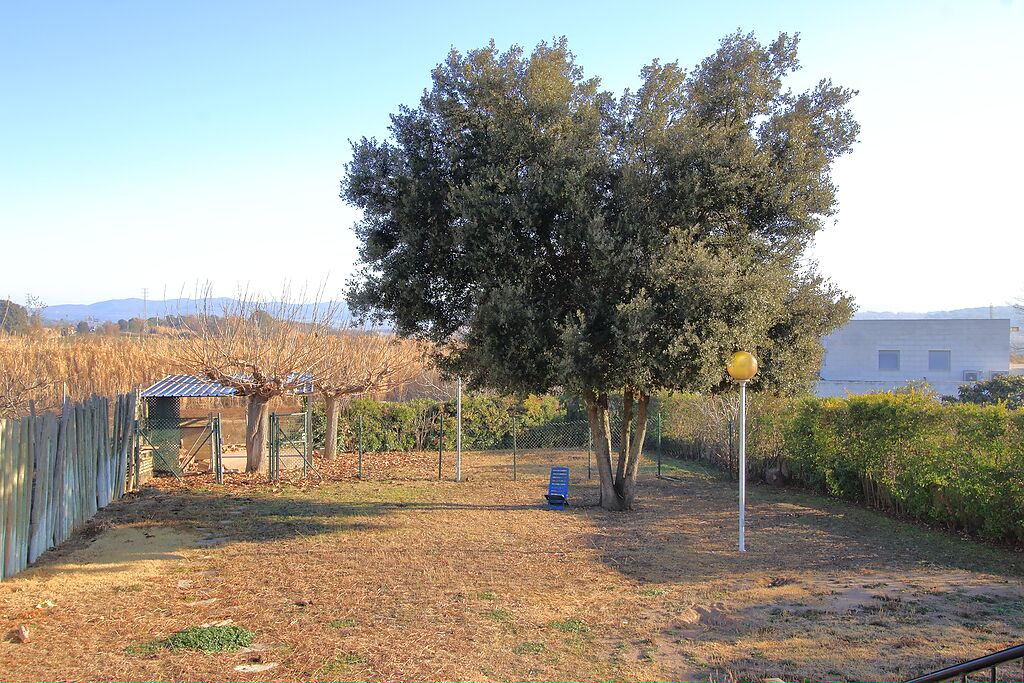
point(742, 366)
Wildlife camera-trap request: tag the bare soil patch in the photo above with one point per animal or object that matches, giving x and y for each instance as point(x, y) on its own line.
point(402, 576)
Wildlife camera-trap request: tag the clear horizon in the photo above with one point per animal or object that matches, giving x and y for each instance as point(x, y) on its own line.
point(158, 145)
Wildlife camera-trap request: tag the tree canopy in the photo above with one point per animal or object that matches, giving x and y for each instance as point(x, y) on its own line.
point(552, 234)
point(13, 317)
point(1005, 389)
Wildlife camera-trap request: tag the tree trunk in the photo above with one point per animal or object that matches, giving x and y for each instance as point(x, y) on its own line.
point(601, 435)
point(618, 487)
point(331, 438)
point(627, 486)
point(256, 424)
point(624, 432)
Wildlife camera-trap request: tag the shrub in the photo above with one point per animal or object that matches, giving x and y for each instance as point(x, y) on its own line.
point(1005, 389)
point(961, 464)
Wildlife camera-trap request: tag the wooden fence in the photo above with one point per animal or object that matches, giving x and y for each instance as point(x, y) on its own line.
point(56, 471)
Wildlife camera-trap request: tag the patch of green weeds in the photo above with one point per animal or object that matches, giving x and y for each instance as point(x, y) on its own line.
point(338, 665)
point(341, 623)
point(208, 639)
point(130, 588)
point(528, 648)
point(500, 615)
point(573, 625)
point(652, 591)
point(487, 595)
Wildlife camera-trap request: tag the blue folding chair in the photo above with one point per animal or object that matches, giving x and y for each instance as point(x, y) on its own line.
point(558, 488)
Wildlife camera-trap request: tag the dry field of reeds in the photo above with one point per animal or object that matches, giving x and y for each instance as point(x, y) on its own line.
point(400, 576)
point(40, 369)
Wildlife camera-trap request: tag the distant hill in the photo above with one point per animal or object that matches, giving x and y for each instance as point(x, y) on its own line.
point(1010, 312)
point(125, 309)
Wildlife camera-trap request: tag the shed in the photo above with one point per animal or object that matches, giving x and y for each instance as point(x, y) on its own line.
point(162, 422)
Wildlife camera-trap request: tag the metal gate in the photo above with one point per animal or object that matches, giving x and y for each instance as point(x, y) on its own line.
point(291, 444)
point(177, 443)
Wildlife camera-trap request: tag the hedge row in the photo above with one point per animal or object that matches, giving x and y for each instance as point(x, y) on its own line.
point(958, 464)
point(416, 425)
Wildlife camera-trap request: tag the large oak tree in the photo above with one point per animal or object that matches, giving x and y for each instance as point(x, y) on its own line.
point(551, 234)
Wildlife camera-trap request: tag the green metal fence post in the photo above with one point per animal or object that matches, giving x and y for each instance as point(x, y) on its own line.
point(659, 443)
point(218, 444)
point(360, 447)
point(440, 445)
point(514, 475)
point(270, 449)
point(307, 425)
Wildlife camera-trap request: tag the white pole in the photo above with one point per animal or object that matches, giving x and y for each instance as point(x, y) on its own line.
point(458, 430)
point(743, 464)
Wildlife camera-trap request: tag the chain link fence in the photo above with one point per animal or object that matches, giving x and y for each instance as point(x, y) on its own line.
point(500, 440)
point(177, 443)
point(496, 445)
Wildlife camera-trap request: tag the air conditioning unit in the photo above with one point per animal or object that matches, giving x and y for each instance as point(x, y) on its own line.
point(972, 375)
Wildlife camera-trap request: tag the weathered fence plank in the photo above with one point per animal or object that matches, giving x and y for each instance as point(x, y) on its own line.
point(57, 471)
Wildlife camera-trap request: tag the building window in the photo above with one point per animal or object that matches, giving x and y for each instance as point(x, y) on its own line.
point(888, 360)
point(938, 361)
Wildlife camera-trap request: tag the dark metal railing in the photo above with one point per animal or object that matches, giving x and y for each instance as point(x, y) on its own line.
point(980, 664)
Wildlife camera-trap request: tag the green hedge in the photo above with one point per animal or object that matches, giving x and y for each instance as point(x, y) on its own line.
point(960, 464)
point(415, 425)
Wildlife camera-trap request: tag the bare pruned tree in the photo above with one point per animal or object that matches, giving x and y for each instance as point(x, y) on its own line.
point(21, 382)
point(363, 363)
point(262, 349)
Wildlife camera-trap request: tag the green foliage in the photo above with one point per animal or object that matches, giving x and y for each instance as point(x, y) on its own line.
point(528, 648)
point(13, 317)
point(567, 237)
point(415, 425)
point(571, 625)
point(340, 663)
point(959, 464)
point(500, 615)
point(1005, 389)
point(229, 638)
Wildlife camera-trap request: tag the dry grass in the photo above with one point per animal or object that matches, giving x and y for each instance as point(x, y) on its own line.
point(38, 367)
point(417, 579)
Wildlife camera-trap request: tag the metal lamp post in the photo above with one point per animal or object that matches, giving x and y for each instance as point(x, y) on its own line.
point(458, 430)
point(742, 367)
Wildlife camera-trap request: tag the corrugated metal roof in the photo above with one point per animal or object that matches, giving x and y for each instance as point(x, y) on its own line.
point(181, 386)
point(190, 386)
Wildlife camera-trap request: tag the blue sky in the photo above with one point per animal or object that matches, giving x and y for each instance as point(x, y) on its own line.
point(157, 144)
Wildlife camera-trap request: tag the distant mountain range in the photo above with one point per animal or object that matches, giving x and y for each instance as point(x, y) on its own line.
point(118, 309)
point(125, 309)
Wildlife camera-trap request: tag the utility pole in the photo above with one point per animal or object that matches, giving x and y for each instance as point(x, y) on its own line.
point(145, 308)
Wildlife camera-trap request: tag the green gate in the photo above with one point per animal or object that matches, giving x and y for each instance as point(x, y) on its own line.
point(174, 441)
point(291, 445)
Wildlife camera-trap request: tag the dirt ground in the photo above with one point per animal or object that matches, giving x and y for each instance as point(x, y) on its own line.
point(403, 577)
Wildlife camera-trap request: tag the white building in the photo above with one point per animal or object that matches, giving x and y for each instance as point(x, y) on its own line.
point(866, 356)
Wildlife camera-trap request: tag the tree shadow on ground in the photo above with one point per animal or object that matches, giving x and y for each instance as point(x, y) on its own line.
point(214, 519)
point(687, 527)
